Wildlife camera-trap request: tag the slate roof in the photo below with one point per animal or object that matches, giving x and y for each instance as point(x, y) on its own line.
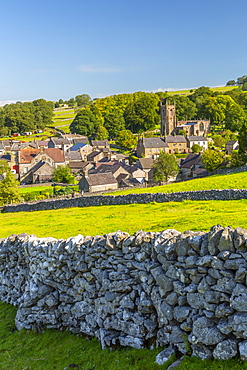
point(104, 143)
point(105, 167)
point(95, 179)
point(5, 157)
point(200, 171)
point(92, 155)
point(154, 142)
point(82, 140)
point(196, 138)
point(175, 139)
point(60, 141)
point(146, 163)
point(231, 142)
point(73, 156)
point(18, 145)
point(191, 160)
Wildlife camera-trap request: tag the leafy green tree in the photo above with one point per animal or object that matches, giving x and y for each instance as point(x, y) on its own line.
point(19, 117)
point(244, 87)
point(4, 167)
point(63, 174)
point(231, 83)
point(126, 139)
point(84, 123)
point(60, 101)
point(196, 148)
point(9, 190)
point(241, 80)
point(219, 140)
point(236, 160)
point(114, 123)
point(71, 102)
point(165, 166)
point(43, 113)
point(82, 100)
point(182, 132)
point(102, 133)
point(242, 140)
point(142, 115)
point(185, 108)
point(212, 159)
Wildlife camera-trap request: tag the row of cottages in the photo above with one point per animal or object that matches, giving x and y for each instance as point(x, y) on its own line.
point(151, 147)
point(34, 161)
point(100, 178)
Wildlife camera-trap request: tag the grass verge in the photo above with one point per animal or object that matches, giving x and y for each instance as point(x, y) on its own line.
point(186, 215)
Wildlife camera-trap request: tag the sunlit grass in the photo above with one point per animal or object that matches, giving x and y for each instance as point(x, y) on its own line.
point(186, 215)
point(231, 181)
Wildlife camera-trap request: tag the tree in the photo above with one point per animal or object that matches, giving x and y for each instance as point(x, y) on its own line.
point(4, 167)
point(219, 140)
point(43, 113)
point(71, 102)
point(63, 174)
point(196, 148)
point(212, 159)
point(185, 108)
point(114, 123)
point(242, 140)
point(9, 191)
point(143, 114)
point(182, 132)
point(82, 100)
point(165, 166)
point(231, 83)
point(102, 133)
point(236, 160)
point(84, 123)
point(126, 139)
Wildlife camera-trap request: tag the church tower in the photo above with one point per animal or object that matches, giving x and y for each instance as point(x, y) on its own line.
point(168, 119)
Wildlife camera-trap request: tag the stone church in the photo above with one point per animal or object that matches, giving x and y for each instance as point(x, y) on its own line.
point(170, 125)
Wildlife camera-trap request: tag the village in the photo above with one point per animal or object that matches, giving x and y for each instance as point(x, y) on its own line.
point(98, 165)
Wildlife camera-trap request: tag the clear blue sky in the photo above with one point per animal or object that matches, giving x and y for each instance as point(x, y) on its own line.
point(59, 49)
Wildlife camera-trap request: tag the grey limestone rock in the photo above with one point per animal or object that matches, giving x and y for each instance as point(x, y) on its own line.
point(205, 332)
point(225, 350)
point(243, 350)
point(201, 351)
point(165, 355)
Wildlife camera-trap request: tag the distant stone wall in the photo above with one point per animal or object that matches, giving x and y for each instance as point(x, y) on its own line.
point(98, 200)
point(186, 290)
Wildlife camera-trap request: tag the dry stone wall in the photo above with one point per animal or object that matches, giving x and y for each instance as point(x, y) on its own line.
point(98, 200)
point(151, 289)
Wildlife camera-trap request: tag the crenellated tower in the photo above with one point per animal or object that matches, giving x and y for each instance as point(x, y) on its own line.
point(168, 118)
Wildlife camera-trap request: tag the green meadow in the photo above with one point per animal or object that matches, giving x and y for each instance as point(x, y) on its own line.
point(230, 181)
point(190, 91)
point(186, 215)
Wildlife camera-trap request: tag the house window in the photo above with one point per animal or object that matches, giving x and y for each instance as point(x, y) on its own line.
point(25, 169)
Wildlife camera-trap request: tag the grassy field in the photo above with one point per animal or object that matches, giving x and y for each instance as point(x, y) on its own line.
point(190, 91)
point(30, 189)
point(230, 181)
point(187, 215)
